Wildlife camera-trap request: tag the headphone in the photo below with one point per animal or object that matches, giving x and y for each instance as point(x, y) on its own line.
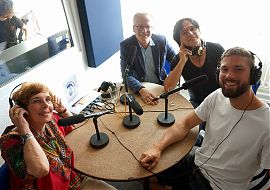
point(104, 87)
point(198, 50)
point(10, 100)
point(255, 71)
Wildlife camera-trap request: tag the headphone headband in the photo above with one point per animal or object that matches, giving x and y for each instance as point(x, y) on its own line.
point(10, 100)
point(255, 71)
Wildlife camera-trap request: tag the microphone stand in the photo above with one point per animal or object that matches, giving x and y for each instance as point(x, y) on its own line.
point(166, 119)
point(98, 140)
point(123, 98)
point(131, 121)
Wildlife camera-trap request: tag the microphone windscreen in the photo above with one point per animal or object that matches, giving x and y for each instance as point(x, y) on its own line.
point(71, 120)
point(136, 107)
point(131, 55)
point(194, 81)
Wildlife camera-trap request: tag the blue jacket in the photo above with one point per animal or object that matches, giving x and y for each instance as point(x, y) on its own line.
point(161, 52)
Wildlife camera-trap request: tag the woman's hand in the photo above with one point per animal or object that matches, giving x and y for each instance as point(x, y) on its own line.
point(17, 115)
point(58, 105)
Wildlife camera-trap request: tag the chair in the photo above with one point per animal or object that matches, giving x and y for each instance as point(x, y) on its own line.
point(4, 177)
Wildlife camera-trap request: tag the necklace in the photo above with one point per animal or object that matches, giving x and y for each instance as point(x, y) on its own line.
point(51, 143)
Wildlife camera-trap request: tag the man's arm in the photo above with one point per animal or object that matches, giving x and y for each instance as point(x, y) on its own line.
point(177, 132)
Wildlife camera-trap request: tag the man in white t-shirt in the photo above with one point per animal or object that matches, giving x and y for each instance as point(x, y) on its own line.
point(237, 134)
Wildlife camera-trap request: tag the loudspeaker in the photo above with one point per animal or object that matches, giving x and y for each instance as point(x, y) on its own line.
point(10, 100)
point(104, 87)
point(255, 71)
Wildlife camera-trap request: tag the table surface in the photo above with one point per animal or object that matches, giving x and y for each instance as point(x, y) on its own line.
point(116, 163)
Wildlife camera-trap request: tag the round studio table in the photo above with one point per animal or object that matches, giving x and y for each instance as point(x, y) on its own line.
point(114, 162)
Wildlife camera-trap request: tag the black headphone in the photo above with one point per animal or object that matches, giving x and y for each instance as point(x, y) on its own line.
point(255, 71)
point(10, 100)
point(198, 50)
point(104, 88)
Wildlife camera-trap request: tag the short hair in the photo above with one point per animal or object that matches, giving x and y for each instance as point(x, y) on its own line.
point(5, 6)
point(27, 90)
point(142, 14)
point(178, 28)
point(240, 52)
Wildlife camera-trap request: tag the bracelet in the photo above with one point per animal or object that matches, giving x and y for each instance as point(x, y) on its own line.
point(65, 110)
point(26, 137)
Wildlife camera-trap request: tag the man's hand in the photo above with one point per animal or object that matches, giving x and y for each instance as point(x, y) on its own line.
point(150, 158)
point(147, 97)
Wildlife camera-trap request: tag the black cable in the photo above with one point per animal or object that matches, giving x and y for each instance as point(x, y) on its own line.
point(155, 174)
point(200, 166)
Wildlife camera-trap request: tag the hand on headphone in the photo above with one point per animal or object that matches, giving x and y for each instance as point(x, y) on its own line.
point(17, 115)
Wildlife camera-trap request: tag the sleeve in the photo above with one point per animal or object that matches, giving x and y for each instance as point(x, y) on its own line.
point(133, 83)
point(19, 23)
point(265, 161)
point(265, 153)
point(171, 53)
point(12, 152)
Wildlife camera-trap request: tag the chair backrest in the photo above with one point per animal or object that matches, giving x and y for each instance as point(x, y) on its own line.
point(256, 86)
point(4, 177)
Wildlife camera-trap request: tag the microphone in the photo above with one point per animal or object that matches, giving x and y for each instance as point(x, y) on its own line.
point(184, 86)
point(134, 105)
point(167, 119)
point(131, 55)
point(80, 118)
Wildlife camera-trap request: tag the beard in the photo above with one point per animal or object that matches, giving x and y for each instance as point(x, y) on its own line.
point(234, 92)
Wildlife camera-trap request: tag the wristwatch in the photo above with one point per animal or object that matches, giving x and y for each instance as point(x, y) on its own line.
point(26, 137)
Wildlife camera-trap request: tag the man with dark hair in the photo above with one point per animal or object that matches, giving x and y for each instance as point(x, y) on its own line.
point(9, 24)
point(237, 137)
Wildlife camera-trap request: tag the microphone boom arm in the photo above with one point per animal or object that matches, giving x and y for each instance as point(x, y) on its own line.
point(165, 95)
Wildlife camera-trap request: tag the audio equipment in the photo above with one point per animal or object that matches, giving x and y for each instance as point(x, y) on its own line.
point(10, 100)
point(130, 59)
point(255, 71)
point(167, 119)
point(98, 140)
point(80, 118)
point(184, 86)
point(132, 121)
point(197, 50)
point(104, 87)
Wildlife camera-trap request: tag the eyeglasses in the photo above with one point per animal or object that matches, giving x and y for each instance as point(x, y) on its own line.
point(141, 28)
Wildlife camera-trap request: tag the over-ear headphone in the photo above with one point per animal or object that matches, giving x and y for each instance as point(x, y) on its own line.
point(198, 50)
point(10, 100)
point(255, 71)
point(104, 87)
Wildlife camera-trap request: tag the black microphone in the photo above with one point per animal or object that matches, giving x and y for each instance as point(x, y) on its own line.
point(131, 55)
point(185, 86)
point(80, 118)
point(135, 105)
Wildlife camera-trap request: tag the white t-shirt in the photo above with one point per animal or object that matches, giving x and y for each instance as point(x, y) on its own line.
point(242, 153)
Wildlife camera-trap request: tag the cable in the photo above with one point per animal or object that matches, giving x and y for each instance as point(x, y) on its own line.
point(200, 166)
